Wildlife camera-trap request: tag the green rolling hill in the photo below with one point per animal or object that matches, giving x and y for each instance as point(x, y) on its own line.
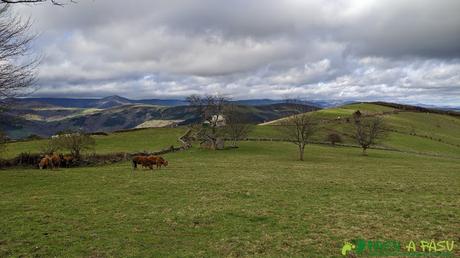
point(409, 130)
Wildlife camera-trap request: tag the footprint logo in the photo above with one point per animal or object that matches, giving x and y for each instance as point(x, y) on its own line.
point(347, 247)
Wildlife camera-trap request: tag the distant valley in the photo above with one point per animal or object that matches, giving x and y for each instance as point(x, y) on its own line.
point(47, 116)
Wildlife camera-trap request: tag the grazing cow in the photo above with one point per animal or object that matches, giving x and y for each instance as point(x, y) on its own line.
point(138, 160)
point(55, 161)
point(51, 162)
point(67, 160)
point(142, 160)
point(159, 161)
point(45, 162)
point(149, 161)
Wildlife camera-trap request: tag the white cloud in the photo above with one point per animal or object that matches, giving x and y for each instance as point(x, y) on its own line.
point(394, 50)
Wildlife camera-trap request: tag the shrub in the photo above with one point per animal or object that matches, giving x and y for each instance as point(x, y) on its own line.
point(334, 138)
point(75, 143)
point(27, 159)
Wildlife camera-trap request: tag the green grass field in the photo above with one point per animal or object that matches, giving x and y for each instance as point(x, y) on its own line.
point(257, 200)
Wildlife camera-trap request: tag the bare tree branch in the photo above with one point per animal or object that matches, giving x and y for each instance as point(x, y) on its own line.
point(209, 109)
point(17, 67)
point(55, 2)
point(299, 129)
point(368, 130)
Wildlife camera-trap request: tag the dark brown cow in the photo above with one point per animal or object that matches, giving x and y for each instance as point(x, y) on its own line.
point(142, 160)
point(67, 160)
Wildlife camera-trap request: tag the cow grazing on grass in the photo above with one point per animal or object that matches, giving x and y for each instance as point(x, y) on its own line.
point(159, 161)
point(55, 161)
point(149, 161)
point(67, 160)
point(46, 162)
point(50, 161)
point(139, 160)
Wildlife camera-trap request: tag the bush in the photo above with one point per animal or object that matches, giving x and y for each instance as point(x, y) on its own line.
point(75, 143)
point(27, 159)
point(334, 138)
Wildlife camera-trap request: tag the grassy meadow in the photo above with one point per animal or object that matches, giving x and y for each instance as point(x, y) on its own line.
point(257, 200)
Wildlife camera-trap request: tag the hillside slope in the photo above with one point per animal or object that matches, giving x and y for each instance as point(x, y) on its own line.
point(409, 130)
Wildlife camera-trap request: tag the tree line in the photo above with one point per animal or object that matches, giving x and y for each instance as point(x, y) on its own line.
point(218, 118)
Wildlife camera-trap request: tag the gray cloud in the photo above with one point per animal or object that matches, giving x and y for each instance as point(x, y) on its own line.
point(367, 50)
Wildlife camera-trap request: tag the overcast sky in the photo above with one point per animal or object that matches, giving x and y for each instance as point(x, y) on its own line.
point(406, 51)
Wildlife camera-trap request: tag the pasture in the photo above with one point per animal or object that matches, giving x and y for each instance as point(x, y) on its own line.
point(257, 200)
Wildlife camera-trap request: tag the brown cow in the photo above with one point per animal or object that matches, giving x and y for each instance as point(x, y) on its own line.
point(55, 161)
point(149, 161)
point(51, 162)
point(45, 162)
point(67, 160)
point(142, 160)
point(159, 161)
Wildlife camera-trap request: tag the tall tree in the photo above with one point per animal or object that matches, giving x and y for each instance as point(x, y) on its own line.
point(368, 130)
point(75, 143)
point(209, 110)
point(298, 130)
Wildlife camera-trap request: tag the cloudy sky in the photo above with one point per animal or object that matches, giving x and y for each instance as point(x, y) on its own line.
point(406, 51)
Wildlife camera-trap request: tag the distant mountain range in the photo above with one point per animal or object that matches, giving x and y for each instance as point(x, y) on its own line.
point(115, 101)
point(107, 102)
point(47, 116)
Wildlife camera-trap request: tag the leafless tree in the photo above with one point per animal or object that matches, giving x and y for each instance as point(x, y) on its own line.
point(368, 130)
point(17, 67)
point(209, 109)
point(236, 126)
point(75, 143)
point(299, 129)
